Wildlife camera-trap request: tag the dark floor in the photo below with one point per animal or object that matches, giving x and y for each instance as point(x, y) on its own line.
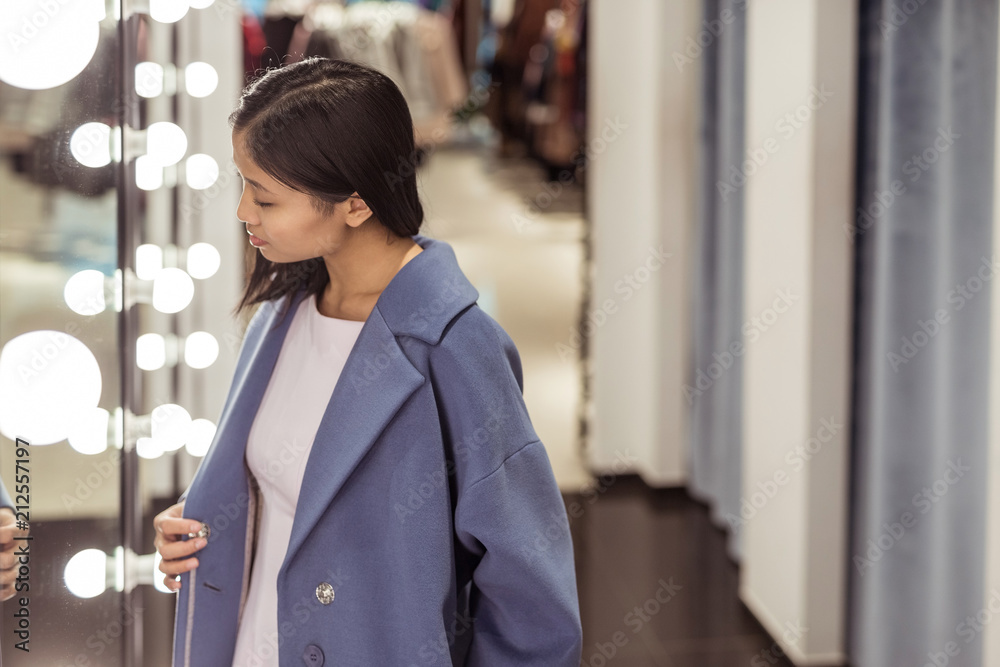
point(633, 545)
point(638, 547)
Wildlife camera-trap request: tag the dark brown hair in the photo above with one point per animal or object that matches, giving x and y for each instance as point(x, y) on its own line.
point(328, 128)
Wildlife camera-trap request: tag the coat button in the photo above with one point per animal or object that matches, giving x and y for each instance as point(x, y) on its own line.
point(313, 656)
point(324, 593)
point(205, 531)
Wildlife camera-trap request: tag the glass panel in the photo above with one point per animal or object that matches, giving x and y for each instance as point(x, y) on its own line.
point(59, 366)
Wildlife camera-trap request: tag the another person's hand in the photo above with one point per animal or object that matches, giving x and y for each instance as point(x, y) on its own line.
point(8, 547)
point(170, 527)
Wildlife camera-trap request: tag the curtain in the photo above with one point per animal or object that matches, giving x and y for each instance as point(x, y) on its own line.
point(927, 74)
point(715, 383)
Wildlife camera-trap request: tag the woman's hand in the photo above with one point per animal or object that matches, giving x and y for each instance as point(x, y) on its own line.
point(169, 528)
point(8, 545)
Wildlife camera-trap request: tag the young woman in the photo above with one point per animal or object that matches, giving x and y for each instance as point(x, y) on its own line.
point(375, 494)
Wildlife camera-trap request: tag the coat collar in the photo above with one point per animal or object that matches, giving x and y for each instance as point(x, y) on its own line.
point(377, 378)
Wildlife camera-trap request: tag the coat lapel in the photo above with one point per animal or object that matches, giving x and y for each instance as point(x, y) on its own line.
point(376, 380)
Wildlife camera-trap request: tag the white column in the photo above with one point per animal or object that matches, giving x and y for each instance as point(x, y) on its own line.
point(212, 35)
point(642, 120)
point(991, 639)
point(800, 128)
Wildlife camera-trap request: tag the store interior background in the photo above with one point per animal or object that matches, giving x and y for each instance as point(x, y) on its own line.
point(746, 252)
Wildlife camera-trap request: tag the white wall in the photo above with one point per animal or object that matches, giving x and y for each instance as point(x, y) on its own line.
point(798, 202)
point(640, 190)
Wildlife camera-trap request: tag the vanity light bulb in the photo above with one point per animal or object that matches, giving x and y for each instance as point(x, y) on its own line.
point(166, 143)
point(148, 79)
point(90, 144)
point(90, 434)
point(200, 79)
point(148, 448)
point(200, 437)
point(150, 351)
point(86, 573)
point(170, 426)
point(173, 290)
point(200, 349)
point(168, 11)
point(84, 292)
point(203, 260)
point(148, 261)
point(148, 173)
point(201, 171)
point(48, 381)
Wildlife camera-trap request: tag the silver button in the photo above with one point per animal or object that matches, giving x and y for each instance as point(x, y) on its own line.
point(205, 531)
point(324, 593)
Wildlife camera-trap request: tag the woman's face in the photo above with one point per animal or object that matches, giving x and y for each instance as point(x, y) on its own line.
point(282, 223)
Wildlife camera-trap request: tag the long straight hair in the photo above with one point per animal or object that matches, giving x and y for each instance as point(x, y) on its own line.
point(328, 128)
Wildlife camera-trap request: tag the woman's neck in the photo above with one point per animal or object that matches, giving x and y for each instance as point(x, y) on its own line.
point(360, 271)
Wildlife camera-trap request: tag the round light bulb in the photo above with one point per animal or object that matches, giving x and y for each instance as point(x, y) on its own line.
point(200, 349)
point(47, 44)
point(203, 260)
point(201, 171)
point(200, 437)
point(148, 79)
point(173, 290)
point(148, 261)
point(49, 380)
point(86, 573)
point(150, 351)
point(84, 292)
point(148, 173)
point(200, 79)
point(170, 425)
point(90, 144)
point(90, 435)
point(166, 143)
point(168, 11)
point(148, 448)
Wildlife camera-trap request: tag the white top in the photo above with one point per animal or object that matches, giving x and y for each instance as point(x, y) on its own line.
point(310, 362)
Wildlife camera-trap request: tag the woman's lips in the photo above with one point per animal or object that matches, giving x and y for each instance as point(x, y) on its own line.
point(257, 242)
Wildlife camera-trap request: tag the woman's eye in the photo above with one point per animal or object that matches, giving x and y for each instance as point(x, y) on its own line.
point(260, 203)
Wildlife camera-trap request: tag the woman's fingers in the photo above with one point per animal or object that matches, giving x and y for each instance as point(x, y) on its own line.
point(175, 552)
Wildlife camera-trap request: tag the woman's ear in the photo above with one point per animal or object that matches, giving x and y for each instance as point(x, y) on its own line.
point(358, 213)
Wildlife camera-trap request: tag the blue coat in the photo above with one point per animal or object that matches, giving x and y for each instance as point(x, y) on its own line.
point(429, 528)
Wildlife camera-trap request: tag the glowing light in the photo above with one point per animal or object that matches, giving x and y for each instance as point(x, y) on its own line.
point(203, 260)
point(201, 171)
point(49, 382)
point(200, 79)
point(173, 290)
point(90, 144)
point(84, 292)
point(86, 573)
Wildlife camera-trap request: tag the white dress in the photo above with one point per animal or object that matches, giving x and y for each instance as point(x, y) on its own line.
point(310, 362)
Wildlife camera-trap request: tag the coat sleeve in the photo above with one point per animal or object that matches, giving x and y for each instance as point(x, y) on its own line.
point(510, 517)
